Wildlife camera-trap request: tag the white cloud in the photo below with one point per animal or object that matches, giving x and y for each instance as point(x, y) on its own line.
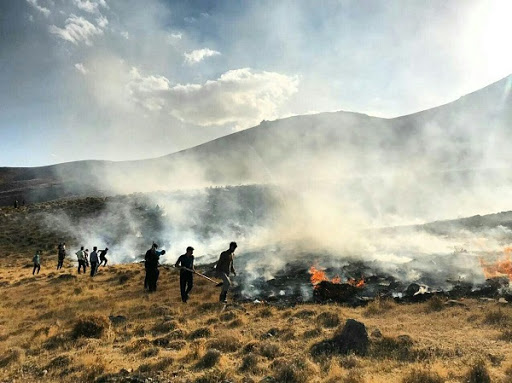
point(126, 35)
point(173, 37)
point(240, 97)
point(148, 91)
point(90, 6)
point(81, 68)
point(102, 22)
point(77, 30)
point(199, 55)
point(43, 10)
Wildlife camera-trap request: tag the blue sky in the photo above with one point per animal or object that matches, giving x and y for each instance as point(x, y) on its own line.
point(126, 79)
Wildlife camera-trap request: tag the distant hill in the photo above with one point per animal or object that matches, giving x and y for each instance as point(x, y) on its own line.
point(456, 142)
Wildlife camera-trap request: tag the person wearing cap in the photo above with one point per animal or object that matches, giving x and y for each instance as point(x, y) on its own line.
point(186, 262)
point(224, 267)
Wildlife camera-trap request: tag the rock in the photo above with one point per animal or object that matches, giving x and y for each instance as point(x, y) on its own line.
point(502, 301)
point(353, 338)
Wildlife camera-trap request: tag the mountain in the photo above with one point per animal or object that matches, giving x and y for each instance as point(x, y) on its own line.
point(456, 142)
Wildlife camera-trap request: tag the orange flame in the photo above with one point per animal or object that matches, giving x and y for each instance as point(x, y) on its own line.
point(500, 268)
point(318, 276)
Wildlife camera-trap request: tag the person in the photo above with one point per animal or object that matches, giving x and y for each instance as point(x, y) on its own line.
point(61, 255)
point(94, 261)
point(16, 204)
point(102, 256)
point(186, 276)
point(151, 265)
point(223, 268)
point(80, 255)
point(86, 257)
point(37, 262)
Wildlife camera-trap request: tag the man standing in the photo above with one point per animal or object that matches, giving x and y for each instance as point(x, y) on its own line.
point(61, 255)
point(80, 255)
point(102, 256)
point(186, 261)
point(151, 266)
point(94, 261)
point(224, 267)
point(37, 262)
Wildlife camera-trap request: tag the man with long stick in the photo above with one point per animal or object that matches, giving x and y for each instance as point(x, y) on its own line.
point(224, 267)
point(186, 262)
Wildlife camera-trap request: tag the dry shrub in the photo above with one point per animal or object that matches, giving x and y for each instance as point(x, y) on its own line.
point(354, 377)
point(497, 318)
point(226, 317)
point(328, 319)
point(312, 333)
point(225, 344)
point(208, 307)
point(250, 363)
point(269, 350)
point(266, 312)
point(209, 359)
point(477, 374)
point(379, 306)
point(202, 332)
point(162, 365)
point(59, 362)
point(304, 314)
point(164, 327)
point(506, 336)
point(9, 357)
point(214, 376)
point(235, 323)
point(434, 304)
point(177, 345)
point(150, 352)
point(296, 371)
point(123, 279)
point(250, 347)
point(89, 327)
point(56, 341)
point(422, 376)
point(137, 345)
point(349, 362)
point(399, 348)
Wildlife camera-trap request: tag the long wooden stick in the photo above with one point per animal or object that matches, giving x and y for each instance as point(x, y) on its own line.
point(195, 272)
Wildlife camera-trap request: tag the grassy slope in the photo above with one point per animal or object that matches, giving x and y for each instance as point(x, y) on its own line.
point(169, 341)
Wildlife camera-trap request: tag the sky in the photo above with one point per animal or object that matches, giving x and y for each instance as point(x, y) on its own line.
point(128, 79)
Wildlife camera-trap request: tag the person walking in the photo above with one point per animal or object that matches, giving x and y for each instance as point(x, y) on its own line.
point(94, 261)
point(186, 262)
point(151, 265)
point(61, 255)
point(37, 262)
point(80, 255)
point(223, 268)
point(102, 256)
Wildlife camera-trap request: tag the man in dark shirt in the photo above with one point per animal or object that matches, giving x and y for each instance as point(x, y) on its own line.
point(186, 261)
point(61, 255)
point(94, 261)
point(102, 256)
point(151, 265)
point(224, 267)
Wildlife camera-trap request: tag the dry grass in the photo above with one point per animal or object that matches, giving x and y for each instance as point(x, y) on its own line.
point(62, 327)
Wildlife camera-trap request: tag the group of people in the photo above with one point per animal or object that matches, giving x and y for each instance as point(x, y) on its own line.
point(185, 262)
point(96, 258)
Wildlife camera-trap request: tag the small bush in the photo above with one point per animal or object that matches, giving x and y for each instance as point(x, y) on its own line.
point(349, 362)
point(164, 327)
point(328, 319)
point(209, 359)
point(59, 362)
point(89, 327)
point(55, 342)
point(478, 374)
point(422, 376)
point(506, 336)
point(225, 344)
point(312, 333)
point(392, 348)
point(304, 314)
point(266, 312)
point(434, 304)
point(123, 279)
point(250, 347)
point(214, 376)
point(295, 372)
point(379, 306)
point(250, 364)
point(203, 332)
point(235, 323)
point(269, 350)
point(148, 353)
point(497, 318)
point(226, 317)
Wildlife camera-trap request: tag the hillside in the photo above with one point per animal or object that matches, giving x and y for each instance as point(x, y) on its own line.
point(467, 135)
